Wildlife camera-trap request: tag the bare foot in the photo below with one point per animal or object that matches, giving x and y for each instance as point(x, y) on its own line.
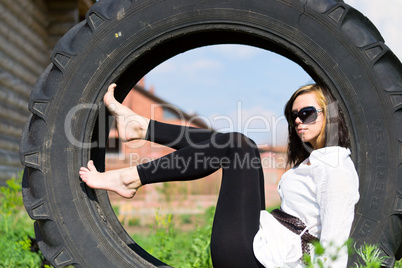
point(131, 126)
point(125, 182)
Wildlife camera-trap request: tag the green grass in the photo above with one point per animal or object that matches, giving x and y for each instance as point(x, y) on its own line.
point(191, 249)
point(165, 241)
point(177, 248)
point(16, 228)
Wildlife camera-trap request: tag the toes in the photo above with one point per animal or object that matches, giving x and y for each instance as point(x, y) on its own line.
point(83, 170)
point(109, 96)
point(91, 166)
point(83, 173)
point(111, 88)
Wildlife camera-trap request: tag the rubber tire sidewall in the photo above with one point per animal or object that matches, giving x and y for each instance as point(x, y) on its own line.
point(82, 225)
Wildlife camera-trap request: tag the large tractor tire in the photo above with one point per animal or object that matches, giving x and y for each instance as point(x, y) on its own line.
point(121, 40)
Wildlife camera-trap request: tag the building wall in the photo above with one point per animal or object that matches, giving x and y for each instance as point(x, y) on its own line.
point(29, 29)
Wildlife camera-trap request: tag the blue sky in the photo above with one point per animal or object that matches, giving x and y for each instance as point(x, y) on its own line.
point(242, 88)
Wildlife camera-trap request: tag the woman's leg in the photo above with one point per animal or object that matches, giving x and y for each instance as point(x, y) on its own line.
point(241, 196)
point(176, 136)
point(237, 216)
point(201, 152)
point(132, 126)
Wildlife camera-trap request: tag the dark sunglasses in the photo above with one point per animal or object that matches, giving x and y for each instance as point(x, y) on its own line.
point(306, 115)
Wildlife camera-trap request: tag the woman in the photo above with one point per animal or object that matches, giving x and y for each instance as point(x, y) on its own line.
point(320, 191)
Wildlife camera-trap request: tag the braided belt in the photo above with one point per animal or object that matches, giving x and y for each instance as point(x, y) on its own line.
point(297, 226)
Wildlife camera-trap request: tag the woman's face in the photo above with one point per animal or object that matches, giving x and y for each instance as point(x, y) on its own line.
point(308, 132)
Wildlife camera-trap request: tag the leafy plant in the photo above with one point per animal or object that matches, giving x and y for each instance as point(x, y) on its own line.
point(200, 253)
point(165, 235)
point(370, 254)
point(324, 255)
point(16, 229)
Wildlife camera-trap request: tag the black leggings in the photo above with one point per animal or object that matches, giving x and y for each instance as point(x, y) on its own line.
point(199, 153)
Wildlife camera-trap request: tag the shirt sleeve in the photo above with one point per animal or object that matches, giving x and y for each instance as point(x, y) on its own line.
point(339, 194)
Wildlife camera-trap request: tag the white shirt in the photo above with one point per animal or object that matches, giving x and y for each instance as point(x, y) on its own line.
point(322, 191)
